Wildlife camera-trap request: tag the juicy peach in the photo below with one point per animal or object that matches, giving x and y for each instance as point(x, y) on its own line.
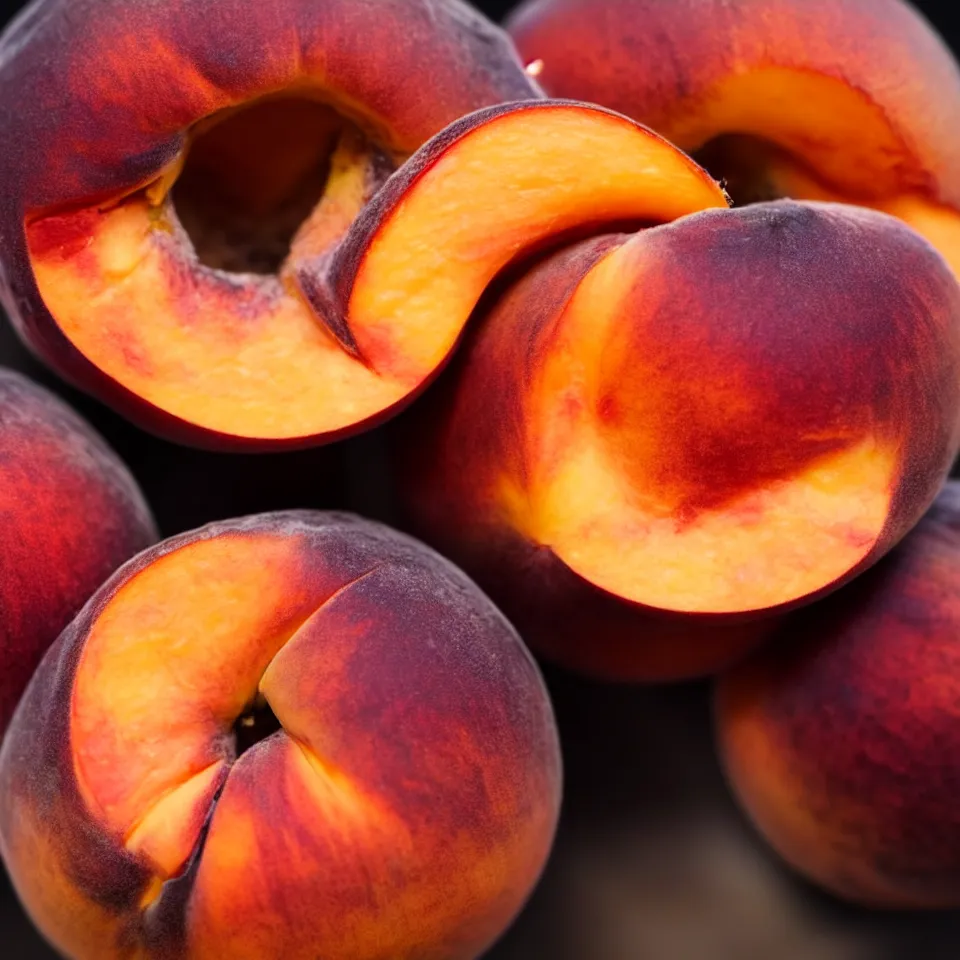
point(294, 735)
point(71, 514)
point(168, 237)
point(388, 302)
point(850, 101)
point(158, 253)
point(723, 416)
point(839, 739)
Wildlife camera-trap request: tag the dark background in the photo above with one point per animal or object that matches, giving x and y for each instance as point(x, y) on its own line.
point(653, 861)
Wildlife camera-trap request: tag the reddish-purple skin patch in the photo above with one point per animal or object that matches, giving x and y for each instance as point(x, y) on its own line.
point(859, 698)
point(70, 514)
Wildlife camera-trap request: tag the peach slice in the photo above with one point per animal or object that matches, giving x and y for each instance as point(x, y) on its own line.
point(294, 735)
point(839, 738)
point(723, 416)
point(54, 554)
point(809, 99)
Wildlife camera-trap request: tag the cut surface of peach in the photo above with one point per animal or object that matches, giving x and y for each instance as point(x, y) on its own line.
point(363, 310)
point(607, 495)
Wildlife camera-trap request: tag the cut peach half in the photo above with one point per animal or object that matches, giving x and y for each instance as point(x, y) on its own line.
point(376, 287)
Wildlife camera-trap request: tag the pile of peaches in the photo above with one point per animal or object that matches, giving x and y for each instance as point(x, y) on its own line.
point(677, 414)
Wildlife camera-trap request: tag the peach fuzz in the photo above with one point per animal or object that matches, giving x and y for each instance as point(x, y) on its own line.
point(841, 100)
point(71, 514)
point(840, 739)
point(292, 735)
point(649, 441)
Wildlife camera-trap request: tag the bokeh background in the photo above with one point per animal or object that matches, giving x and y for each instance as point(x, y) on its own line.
point(653, 860)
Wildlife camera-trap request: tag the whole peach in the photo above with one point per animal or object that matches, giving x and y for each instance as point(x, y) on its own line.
point(293, 735)
point(841, 100)
point(840, 738)
point(649, 444)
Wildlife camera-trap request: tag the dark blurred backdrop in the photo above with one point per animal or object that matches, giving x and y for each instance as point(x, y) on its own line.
point(653, 861)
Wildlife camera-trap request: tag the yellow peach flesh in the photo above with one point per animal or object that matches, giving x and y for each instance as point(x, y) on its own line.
point(246, 356)
point(616, 527)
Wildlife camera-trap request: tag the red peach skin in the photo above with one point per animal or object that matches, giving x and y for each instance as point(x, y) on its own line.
point(403, 809)
point(70, 514)
point(840, 738)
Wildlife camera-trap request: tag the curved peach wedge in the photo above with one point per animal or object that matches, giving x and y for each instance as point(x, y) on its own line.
point(71, 514)
point(293, 735)
point(851, 101)
point(724, 415)
point(840, 739)
point(225, 259)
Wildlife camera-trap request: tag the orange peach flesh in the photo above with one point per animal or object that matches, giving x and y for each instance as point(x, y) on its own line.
point(596, 498)
point(807, 117)
point(192, 636)
point(246, 356)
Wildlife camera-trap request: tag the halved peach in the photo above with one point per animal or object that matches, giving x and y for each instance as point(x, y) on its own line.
point(723, 416)
point(809, 99)
point(295, 735)
point(218, 255)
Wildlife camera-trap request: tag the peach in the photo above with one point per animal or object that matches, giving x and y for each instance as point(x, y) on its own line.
point(842, 100)
point(718, 418)
point(167, 248)
point(293, 735)
point(840, 740)
point(71, 514)
point(169, 237)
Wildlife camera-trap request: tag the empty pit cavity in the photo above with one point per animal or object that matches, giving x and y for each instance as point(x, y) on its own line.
point(254, 175)
point(256, 723)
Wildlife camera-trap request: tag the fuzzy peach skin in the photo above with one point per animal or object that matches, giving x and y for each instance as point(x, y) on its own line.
point(650, 441)
point(843, 100)
point(294, 735)
point(839, 739)
point(70, 514)
point(99, 274)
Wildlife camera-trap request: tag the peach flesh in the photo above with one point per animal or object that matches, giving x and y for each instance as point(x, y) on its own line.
point(727, 415)
point(399, 287)
point(407, 803)
point(839, 738)
point(810, 99)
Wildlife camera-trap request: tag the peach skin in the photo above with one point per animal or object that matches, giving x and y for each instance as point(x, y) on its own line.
point(70, 514)
point(839, 739)
point(843, 100)
point(648, 442)
point(293, 735)
point(212, 244)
